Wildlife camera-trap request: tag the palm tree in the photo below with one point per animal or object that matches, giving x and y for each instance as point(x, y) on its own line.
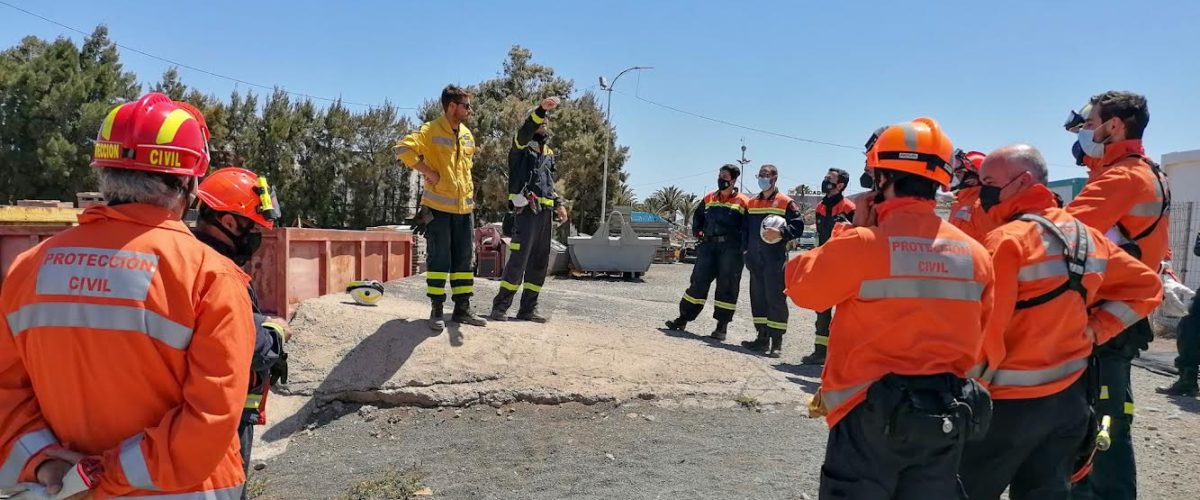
point(624, 197)
point(690, 201)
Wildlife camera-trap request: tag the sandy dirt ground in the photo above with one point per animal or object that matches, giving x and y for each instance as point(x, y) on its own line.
point(598, 403)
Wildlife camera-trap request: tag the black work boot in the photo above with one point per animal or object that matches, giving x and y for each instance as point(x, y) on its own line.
point(816, 358)
point(531, 315)
point(463, 315)
point(761, 344)
point(720, 331)
point(776, 350)
point(677, 324)
point(436, 323)
point(498, 315)
point(1186, 385)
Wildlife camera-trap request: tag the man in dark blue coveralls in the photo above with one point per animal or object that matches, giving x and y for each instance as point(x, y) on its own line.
point(718, 223)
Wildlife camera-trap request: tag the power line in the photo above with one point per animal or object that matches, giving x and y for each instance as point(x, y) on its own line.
point(737, 125)
point(194, 68)
point(768, 132)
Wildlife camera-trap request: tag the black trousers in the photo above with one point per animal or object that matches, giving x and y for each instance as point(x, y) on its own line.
point(1114, 471)
point(767, 301)
point(1030, 445)
point(719, 261)
point(528, 257)
point(246, 437)
point(1187, 339)
point(824, 318)
point(451, 249)
point(862, 462)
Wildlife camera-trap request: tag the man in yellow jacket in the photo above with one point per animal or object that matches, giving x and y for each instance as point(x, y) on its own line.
point(442, 151)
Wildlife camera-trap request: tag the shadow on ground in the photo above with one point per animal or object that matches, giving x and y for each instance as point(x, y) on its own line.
point(796, 373)
point(711, 342)
point(385, 351)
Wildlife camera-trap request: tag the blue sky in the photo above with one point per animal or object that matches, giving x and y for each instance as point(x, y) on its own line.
point(992, 73)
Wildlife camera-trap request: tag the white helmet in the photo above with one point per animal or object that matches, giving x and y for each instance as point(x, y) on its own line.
point(773, 221)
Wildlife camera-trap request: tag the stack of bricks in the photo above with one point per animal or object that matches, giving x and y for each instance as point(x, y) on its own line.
point(88, 199)
point(44, 204)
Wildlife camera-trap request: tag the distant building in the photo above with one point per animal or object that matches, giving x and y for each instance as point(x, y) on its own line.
point(1183, 168)
point(1067, 188)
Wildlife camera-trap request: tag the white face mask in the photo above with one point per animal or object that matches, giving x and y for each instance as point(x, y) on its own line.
point(1090, 147)
point(764, 183)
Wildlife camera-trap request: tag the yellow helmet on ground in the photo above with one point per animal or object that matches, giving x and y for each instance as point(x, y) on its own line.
point(365, 292)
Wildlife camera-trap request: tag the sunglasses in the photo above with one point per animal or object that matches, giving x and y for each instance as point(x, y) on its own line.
point(463, 104)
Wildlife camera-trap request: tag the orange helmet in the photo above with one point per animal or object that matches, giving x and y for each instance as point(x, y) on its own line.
point(240, 191)
point(154, 134)
point(918, 147)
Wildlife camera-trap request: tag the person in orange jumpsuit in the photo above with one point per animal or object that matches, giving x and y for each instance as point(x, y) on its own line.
point(965, 213)
point(236, 206)
point(125, 342)
point(1049, 267)
point(1127, 197)
point(913, 293)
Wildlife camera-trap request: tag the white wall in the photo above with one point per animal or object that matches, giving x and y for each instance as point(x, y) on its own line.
point(1066, 192)
point(1183, 168)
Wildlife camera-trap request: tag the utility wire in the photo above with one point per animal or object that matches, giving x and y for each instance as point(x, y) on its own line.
point(768, 132)
point(372, 106)
point(737, 125)
point(194, 68)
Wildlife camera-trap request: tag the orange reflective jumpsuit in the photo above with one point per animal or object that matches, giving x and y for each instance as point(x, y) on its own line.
point(912, 295)
point(1036, 354)
point(1124, 198)
point(966, 214)
point(127, 338)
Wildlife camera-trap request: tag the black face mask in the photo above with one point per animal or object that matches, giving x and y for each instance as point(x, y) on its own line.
point(827, 187)
point(722, 184)
point(989, 196)
point(866, 181)
point(244, 244)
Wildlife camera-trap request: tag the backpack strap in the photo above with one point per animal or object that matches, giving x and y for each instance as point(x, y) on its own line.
point(1166, 201)
point(1075, 256)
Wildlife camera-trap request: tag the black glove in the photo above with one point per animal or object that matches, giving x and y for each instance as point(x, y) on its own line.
point(506, 225)
point(279, 370)
point(421, 221)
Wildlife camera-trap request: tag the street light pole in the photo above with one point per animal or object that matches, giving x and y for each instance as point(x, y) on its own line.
point(608, 87)
point(743, 162)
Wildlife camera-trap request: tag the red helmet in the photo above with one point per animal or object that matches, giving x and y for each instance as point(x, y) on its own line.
point(240, 191)
point(154, 134)
point(970, 161)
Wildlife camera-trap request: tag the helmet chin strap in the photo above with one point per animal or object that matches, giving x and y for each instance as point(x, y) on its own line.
point(881, 185)
point(188, 190)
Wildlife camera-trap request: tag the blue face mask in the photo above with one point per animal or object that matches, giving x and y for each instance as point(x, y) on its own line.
point(764, 183)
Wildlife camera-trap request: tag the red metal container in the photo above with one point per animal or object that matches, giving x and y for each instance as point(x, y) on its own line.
point(292, 265)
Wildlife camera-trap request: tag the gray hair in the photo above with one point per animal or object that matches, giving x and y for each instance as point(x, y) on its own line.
point(136, 186)
point(1028, 157)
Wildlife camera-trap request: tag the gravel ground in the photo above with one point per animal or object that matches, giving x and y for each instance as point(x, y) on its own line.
point(639, 449)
